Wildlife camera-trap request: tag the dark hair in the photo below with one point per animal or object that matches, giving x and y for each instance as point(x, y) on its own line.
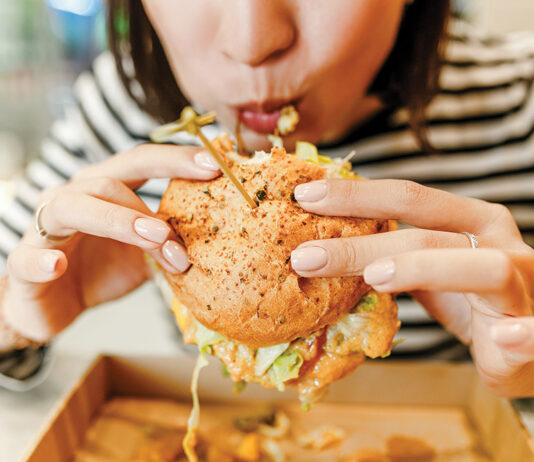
point(408, 78)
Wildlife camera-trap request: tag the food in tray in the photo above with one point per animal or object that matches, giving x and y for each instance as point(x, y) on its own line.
point(128, 429)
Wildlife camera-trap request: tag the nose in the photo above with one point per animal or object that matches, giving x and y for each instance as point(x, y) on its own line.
point(253, 31)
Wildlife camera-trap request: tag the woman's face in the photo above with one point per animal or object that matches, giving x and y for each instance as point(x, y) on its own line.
point(248, 58)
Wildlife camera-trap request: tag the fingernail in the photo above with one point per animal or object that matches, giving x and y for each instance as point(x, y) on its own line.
point(311, 192)
point(309, 258)
point(48, 262)
point(152, 229)
point(379, 273)
point(175, 255)
point(509, 333)
point(205, 160)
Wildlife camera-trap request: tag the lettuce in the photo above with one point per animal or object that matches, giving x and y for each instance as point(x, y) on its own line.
point(205, 337)
point(367, 303)
point(307, 151)
point(285, 367)
point(266, 356)
point(349, 325)
point(239, 387)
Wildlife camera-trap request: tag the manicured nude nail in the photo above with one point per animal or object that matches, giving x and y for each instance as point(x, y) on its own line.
point(205, 160)
point(309, 258)
point(509, 333)
point(175, 255)
point(379, 272)
point(48, 262)
point(152, 229)
point(311, 192)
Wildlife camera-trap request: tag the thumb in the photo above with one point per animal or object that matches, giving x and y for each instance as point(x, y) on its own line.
point(515, 337)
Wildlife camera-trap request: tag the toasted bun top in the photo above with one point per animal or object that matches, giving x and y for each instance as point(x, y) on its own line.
point(241, 283)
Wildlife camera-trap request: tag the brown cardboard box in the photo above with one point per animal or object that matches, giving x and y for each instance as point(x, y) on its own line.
point(442, 404)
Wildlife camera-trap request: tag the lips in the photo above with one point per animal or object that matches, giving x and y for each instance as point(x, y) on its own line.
point(260, 122)
point(261, 117)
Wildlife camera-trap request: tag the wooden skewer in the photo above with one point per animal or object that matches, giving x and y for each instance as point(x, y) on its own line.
point(191, 122)
point(227, 170)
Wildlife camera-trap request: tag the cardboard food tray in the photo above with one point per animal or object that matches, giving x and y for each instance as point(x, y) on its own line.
point(441, 404)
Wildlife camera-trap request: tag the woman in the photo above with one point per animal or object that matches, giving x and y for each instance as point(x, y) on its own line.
point(362, 75)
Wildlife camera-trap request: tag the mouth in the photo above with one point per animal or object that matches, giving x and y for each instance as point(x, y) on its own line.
point(262, 117)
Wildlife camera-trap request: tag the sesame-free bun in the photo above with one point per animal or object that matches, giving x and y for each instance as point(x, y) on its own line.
point(240, 283)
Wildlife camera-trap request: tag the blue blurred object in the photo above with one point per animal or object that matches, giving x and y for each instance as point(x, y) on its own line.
point(77, 7)
point(79, 25)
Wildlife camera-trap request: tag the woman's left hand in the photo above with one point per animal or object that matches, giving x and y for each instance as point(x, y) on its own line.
point(485, 296)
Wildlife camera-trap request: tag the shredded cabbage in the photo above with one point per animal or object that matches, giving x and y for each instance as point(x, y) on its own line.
point(276, 141)
point(348, 327)
point(350, 324)
point(190, 439)
point(285, 367)
point(266, 356)
point(205, 337)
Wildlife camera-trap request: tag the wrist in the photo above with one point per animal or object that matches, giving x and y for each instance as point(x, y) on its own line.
point(9, 338)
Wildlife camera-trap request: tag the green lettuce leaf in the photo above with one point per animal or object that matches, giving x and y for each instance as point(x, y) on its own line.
point(285, 367)
point(266, 356)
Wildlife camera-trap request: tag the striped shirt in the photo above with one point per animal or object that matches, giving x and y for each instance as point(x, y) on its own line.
point(481, 123)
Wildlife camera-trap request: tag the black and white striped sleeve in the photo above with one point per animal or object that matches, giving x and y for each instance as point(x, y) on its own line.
point(104, 120)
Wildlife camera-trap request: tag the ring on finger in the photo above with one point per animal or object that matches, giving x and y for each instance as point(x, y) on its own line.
point(472, 239)
point(43, 232)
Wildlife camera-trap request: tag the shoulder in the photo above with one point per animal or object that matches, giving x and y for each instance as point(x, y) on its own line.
point(485, 99)
point(476, 60)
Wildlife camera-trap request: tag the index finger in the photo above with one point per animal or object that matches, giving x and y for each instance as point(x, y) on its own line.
point(409, 202)
point(148, 161)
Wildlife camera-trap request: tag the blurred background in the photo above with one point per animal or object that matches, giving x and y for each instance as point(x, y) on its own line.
point(44, 44)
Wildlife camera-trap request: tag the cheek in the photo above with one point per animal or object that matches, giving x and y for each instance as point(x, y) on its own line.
point(346, 53)
point(186, 31)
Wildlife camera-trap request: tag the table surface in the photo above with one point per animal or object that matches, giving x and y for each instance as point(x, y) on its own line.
point(138, 324)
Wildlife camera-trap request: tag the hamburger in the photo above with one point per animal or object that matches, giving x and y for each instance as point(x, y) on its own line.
point(242, 302)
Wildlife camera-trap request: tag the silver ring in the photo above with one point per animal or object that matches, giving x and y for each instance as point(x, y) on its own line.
point(472, 239)
point(43, 232)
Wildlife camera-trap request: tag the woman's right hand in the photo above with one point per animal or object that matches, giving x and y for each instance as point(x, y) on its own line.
point(48, 284)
